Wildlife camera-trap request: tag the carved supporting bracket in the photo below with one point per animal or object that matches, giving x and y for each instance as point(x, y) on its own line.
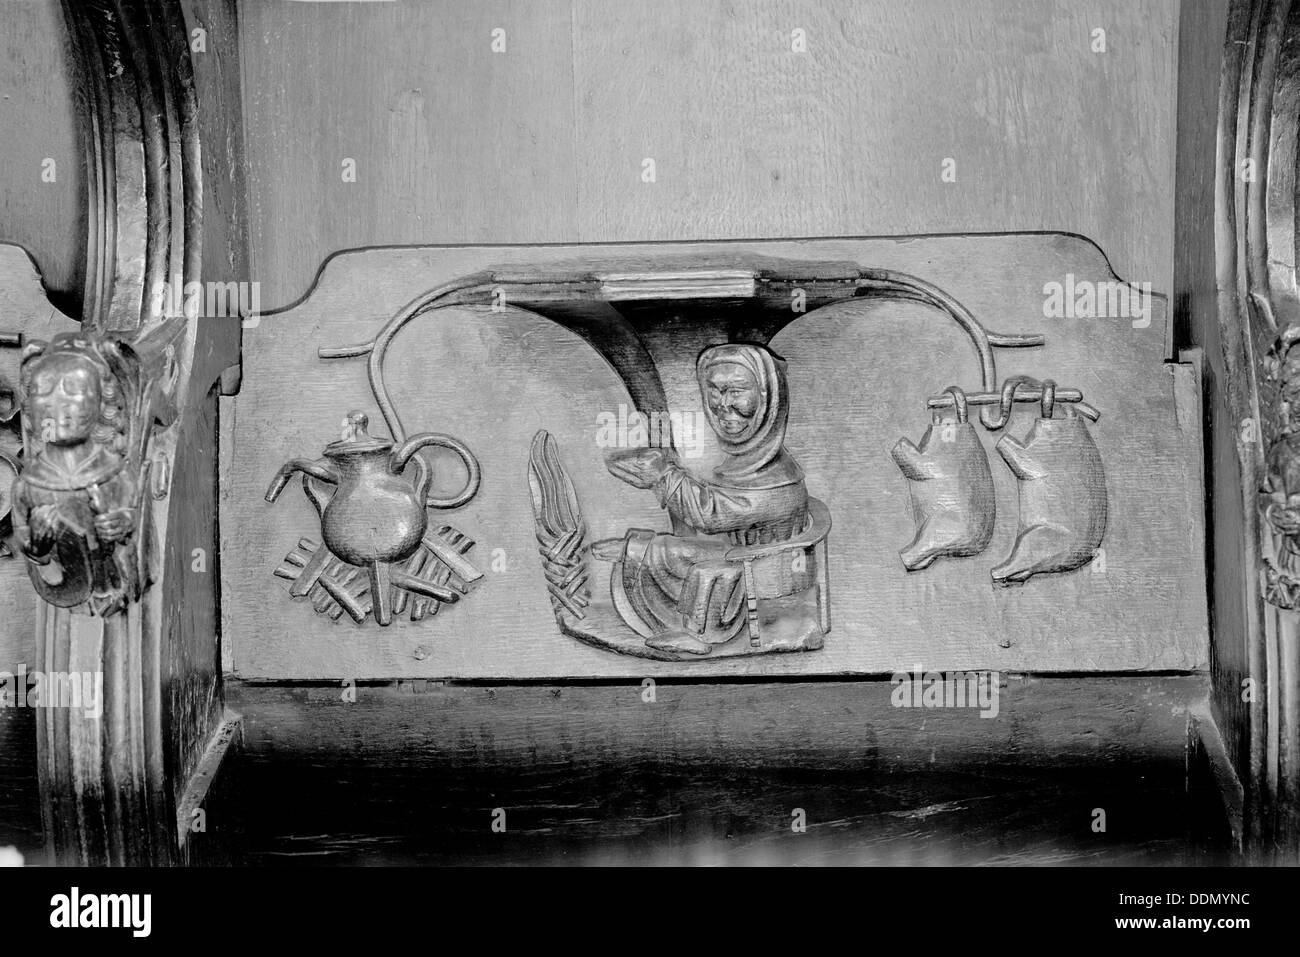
point(116, 424)
point(90, 409)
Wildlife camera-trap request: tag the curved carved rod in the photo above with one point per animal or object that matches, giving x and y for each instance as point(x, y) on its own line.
point(896, 284)
point(998, 340)
point(378, 347)
point(916, 289)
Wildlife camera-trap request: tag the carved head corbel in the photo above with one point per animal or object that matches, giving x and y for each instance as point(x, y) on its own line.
point(76, 501)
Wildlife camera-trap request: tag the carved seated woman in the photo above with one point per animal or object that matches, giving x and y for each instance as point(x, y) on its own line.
point(687, 596)
point(74, 500)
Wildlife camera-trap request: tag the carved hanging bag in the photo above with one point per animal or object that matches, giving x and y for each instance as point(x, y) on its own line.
point(951, 489)
point(1062, 494)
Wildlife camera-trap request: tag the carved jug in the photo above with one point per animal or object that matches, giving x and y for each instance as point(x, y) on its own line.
point(375, 513)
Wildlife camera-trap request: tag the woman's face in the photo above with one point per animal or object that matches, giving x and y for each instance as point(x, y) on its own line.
point(64, 401)
point(733, 400)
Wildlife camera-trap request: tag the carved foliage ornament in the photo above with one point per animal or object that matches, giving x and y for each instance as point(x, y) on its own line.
point(1280, 492)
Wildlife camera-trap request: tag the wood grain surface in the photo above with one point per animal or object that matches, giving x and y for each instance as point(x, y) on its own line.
point(38, 113)
point(860, 373)
point(545, 141)
point(713, 773)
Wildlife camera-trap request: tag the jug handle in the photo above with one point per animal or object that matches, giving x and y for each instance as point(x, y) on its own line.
point(403, 455)
point(318, 497)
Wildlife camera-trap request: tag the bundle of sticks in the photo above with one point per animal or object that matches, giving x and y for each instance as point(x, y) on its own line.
point(561, 533)
point(339, 587)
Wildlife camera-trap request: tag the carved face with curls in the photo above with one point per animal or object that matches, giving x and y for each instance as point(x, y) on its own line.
point(71, 396)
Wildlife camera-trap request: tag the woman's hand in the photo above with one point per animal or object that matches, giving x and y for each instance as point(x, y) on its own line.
point(609, 549)
point(640, 468)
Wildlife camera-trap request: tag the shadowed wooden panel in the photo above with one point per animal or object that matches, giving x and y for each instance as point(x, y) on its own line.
point(705, 773)
point(38, 115)
point(20, 802)
point(710, 773)
point(1203, 32)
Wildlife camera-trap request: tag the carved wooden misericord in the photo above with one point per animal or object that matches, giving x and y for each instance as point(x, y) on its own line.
point(529, 548)
point(673, 463)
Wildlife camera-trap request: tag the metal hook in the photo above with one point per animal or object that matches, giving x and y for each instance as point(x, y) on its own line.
point(1008, 397)
point(1049, 398)
point(959, 402)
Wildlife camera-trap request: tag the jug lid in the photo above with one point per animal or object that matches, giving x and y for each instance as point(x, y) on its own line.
point(356, 439)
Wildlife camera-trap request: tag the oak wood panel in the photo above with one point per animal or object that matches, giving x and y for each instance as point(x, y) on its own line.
point(452, 142)
point(751, 139)
point(217, 87)
point(712, 773)
point(38, 115)
point(706, 773)
point(190, 611)
point(544, 142)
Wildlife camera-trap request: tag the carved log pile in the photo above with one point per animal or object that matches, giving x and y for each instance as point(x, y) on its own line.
point(342, 587)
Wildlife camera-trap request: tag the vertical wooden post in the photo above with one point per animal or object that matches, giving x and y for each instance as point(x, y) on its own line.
point(1236, 297)
point(119, 788)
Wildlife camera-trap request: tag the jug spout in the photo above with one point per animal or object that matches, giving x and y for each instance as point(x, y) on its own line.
point(319, 469)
